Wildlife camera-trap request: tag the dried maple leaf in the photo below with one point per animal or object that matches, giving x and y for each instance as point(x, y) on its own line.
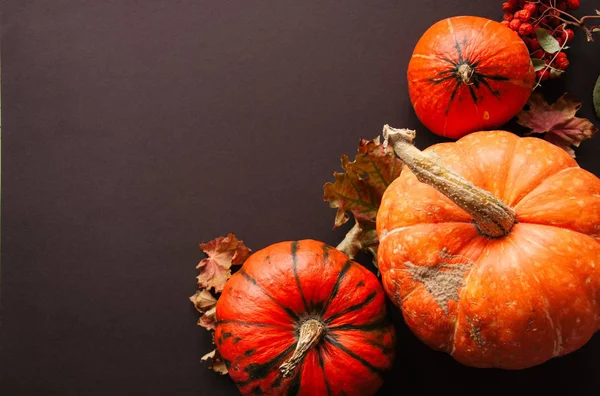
point(358, 192)
point(359, 189)
point(557, 121)
point(209, 319)
point(216, 362)
point(222, 252)
point(203, 300)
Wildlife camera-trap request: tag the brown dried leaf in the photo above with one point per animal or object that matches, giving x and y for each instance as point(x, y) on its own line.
point(358, 191)
point(216, 362)
point(209, 319)
point(223, 252)
point(203, 300)
point(557, 121)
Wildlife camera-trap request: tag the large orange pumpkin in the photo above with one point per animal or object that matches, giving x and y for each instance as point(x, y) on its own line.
point(302, 318)
point(491, 247)
point(469, 74)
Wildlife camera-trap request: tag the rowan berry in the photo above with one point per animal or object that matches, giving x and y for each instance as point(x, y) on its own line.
point(514, 24)
point(525, 29)
point(523, 15)
point(531, 7)
point(573, 4)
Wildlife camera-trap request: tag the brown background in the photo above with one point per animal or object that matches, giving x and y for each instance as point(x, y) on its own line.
point(133, 130)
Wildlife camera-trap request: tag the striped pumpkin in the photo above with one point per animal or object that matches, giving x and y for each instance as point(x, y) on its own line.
point(302, 318)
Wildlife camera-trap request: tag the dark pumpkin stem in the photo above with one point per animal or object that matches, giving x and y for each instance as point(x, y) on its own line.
point(492, 216)
point(309, 336)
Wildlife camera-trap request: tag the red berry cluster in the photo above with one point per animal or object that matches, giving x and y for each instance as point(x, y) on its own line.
point(525, 17)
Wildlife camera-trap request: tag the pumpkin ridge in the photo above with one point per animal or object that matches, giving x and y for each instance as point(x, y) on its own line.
point(246, 323)
point(477, 106)
point(295, 268)
point(474, 265)
point(258, 371)
point(363, 362)
point(557, 329)
point(561, 227)
point(539, 183)
point(325, 248)
point(369, 299)
point(294, 386)
point(336, 286)
point(475, 37)
point(293, 315)
point(367, 327)
point(322, 366)
point(466, 147)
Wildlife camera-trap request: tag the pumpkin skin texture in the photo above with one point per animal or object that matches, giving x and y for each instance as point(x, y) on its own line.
point(469, 74)
point(508, 302)
point(278, 289)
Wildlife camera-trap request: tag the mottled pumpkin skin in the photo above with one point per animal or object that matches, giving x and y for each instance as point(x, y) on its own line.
point(279, 287)
point(511, 302)
point(502, 79)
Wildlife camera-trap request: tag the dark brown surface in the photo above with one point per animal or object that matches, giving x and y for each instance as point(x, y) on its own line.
point(133, 130)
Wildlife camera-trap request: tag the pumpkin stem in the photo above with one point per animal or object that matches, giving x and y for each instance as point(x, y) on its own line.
point(492, 216)
point(465, 72)
point(311, 332)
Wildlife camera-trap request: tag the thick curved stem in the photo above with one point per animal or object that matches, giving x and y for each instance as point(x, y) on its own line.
point(310, 334)
point(492, 216)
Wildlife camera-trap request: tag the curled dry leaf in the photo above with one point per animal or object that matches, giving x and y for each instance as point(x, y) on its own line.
point(216, 362)
point(358, 192)
point(209, 319)
point(203, 300)
point(222, 252)
point(557, 121)
point(215, 271)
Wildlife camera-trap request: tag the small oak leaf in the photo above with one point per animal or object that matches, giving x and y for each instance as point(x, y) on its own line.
point(209, 319)
point(557, 121)
point(203, 300)
point(216, 362)
point(359, 189)
point(222, 252)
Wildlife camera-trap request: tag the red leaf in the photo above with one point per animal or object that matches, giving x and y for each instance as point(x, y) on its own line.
point(223, 252)
point(358, 191)
point(557, 121)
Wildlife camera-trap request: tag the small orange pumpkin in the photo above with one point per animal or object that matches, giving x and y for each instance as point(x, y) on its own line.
point(491, 247)
point(302, 318)
point(469, 74)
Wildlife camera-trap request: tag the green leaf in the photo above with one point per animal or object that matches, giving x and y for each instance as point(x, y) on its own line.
point(538, 64)
point(597, 97)
point(547, 42)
